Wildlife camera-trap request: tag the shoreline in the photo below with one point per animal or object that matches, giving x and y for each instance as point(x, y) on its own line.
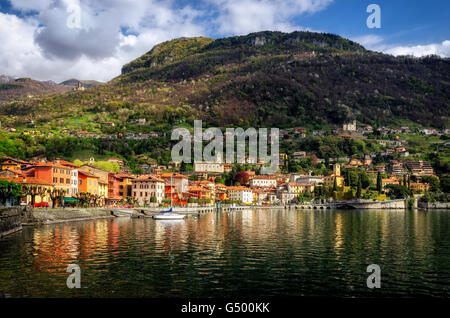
point(47, 217)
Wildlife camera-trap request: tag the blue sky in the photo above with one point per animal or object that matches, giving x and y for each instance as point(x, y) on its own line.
point(38, 42)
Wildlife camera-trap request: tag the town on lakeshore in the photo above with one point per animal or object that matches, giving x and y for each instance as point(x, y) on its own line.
point(394, 171)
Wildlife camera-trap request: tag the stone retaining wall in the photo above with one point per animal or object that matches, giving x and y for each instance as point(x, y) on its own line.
point(434, 205)
point(11, 219)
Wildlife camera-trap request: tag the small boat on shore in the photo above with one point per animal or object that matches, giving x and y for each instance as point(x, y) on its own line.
point(168, 215)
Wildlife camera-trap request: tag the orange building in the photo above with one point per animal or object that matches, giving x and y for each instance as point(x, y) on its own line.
point(87, 182)
point(56, 174)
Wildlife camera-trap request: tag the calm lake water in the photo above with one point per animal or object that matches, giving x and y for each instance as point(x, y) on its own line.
point(249, 253)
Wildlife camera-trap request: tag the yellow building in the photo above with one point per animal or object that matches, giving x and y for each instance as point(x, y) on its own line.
point(329, 180)
point(125, 184)
point(87, 182)
point(36, 190)
point(299, 188)
point(102, 190)
point(7, 163)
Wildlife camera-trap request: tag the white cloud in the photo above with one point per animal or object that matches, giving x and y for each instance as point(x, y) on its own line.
point(246, 16)
point(441, 49)
point(368, 41)
point(49, 49)
point(378, 43)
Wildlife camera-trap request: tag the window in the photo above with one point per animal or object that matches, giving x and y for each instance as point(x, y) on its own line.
point(134, 194)
point(61, 180)
point(68, 181)
point(80, 181)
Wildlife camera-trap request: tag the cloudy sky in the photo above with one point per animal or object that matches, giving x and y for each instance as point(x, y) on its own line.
point(92, 39)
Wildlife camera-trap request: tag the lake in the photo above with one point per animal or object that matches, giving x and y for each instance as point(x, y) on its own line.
point(267, 252)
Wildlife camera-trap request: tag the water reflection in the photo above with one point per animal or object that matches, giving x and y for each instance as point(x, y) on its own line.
point(253, 252)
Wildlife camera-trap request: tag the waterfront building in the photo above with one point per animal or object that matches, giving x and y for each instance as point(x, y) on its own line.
point(146, 187)
point(88, 182)
point(125, 184)
point(113, 189)
point(39, 189)
point(58, 175)
point(200, 192)
point(243, 194)
point(221, 192)
point(73, 175)
point(179, 181)
point(103, 176)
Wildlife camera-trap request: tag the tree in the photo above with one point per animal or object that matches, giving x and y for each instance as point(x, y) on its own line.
point(434, 183)
point(397, 191)
point(56, 195)
point(153, 200)
point(33, 191)
point(379, 182)
point(9, 190)
point(445, 183)
point(358, 189)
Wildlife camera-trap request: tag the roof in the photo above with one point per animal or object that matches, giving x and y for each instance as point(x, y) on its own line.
point(48, 165)
point(239, 188)
point(124, 175)
point(264, 177)
point(27, 180)
point(13, 159)
point(87, 174)
point(197, 188)
point(149, 177)
point(67, 163)
point(173, 175)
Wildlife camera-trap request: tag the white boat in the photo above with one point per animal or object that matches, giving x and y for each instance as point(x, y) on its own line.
point(169, 216)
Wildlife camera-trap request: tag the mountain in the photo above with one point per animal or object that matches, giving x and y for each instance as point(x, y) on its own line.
point(27, 88)
point(266, 79)
point(85, 83)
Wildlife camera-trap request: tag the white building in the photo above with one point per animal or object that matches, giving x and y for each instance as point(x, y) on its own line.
point(243, 194)
point(263, 181)
point(306, 179)
point(144, 188)
point(216, 166)
point(349, 126)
